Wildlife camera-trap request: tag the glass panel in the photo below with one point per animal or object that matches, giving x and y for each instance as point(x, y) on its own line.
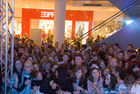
point(68, 29)
point(109, 28)
point(81, 28)
point(111, 25)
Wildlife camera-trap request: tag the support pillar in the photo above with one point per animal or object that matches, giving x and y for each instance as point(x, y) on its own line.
point(6, 40)
point(59, 22)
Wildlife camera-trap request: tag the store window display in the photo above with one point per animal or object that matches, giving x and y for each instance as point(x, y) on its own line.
point(46, 17)
point(68, 29)
point(47, 27)
point(81, 28)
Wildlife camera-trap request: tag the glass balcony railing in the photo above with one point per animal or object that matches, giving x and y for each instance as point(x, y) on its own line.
point(109, 26)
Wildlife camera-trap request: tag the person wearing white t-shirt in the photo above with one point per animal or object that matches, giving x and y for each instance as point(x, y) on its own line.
point(136, 87)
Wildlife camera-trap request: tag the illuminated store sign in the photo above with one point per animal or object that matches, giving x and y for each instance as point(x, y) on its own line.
point(47, 14)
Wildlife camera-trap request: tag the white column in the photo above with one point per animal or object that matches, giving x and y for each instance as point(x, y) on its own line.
point(59, 22)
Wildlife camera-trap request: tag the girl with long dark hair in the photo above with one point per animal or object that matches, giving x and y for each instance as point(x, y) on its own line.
point(95, 83)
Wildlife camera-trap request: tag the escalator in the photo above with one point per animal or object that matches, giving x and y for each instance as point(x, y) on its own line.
point(129, 34)
point(115, 29)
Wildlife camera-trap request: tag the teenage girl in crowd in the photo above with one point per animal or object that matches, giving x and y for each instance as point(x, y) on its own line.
point(79, 69)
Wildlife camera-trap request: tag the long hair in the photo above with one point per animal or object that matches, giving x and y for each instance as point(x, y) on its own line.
point(14, 69)
point(35, 53)
point(113, 82)
point(83, 79)
point(62, 77)
point(74, 71)
point(90, 75)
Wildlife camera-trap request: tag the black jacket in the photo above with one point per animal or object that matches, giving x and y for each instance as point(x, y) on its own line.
point(45, 87)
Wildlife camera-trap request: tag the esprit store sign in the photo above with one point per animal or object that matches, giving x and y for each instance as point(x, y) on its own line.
point(47, 14)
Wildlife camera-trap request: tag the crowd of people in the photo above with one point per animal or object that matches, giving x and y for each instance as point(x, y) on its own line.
point(74, 69)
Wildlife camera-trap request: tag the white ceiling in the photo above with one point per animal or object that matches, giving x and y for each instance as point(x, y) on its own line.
point(70, 5)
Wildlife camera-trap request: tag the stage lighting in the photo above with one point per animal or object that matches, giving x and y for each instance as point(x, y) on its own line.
point(127, 22)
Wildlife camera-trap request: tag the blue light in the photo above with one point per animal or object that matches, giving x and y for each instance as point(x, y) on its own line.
point(129, 22)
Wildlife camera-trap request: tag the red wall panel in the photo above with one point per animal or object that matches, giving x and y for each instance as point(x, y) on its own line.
point(73, 15)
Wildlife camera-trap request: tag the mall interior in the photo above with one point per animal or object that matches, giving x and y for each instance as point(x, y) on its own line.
point(70, 47)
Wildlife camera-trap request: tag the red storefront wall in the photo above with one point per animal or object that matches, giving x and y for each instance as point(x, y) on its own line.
point(73, 15)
